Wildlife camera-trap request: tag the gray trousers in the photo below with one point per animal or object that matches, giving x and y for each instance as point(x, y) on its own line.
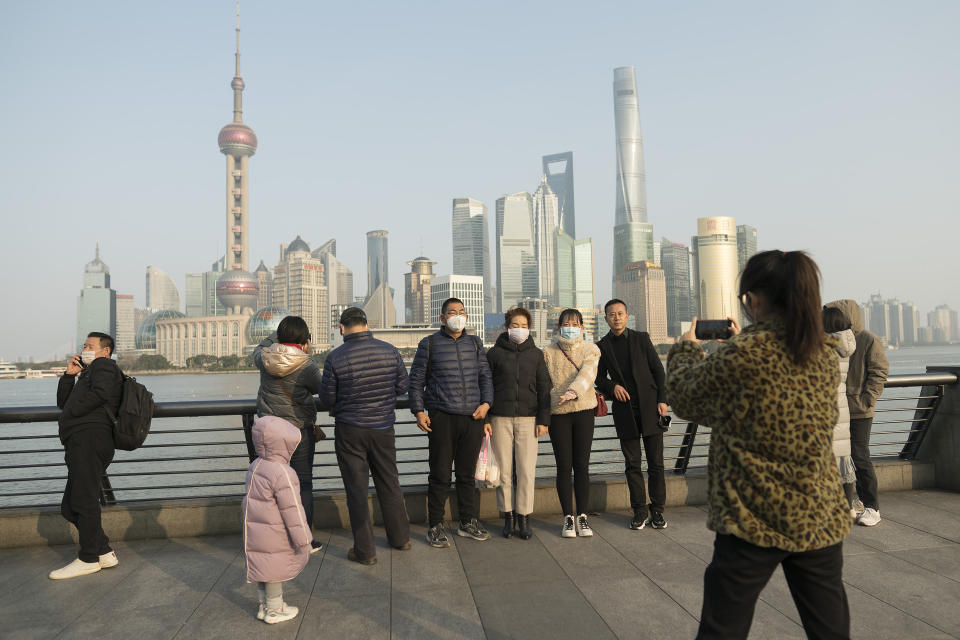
point(515, 439)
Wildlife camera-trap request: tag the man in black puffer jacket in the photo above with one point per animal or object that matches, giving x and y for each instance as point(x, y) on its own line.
point(361, 381)
point(89, 394)
point(450, 378)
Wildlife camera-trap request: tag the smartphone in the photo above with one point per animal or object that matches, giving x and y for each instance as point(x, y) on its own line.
point(713, 329)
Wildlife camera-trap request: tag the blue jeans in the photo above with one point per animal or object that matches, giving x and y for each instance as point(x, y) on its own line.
point(302, 463)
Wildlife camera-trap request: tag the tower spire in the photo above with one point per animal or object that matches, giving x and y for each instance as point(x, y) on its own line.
point(237, 83)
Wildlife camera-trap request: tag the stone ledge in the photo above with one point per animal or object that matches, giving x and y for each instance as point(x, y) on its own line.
point(222, 516)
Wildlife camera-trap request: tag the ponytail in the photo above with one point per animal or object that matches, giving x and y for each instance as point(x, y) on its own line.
point(791, 284)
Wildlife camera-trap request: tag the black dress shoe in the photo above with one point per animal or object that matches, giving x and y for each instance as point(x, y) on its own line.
point(507, 524)
point(523, 527)
point(353, 557)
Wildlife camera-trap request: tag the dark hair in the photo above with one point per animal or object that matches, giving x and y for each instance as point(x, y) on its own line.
point(790, 282)
point(612, 302)
point(569, 312)
point(517, 311)
point(834, 320)
point(106, 340)
point(352, 317)
point(293, 329)
point(448, 302)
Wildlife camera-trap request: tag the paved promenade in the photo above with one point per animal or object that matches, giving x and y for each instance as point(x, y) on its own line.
point(902, 577)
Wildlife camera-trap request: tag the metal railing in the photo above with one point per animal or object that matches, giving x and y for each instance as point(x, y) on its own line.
point(205, 457)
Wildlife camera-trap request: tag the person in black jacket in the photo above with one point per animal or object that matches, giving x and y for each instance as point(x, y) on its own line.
point(631, 374)
point(450, 379)
point(520, 414)
point(361, 381)
point(89, 394)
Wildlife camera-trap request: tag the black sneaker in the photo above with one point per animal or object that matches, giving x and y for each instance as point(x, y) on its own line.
point(437, 537)
point(315, 547)
point(473, 529)
point(657, 521)
point(639, 521)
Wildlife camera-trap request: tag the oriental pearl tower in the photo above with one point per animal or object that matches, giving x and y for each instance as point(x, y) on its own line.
point(237, 287)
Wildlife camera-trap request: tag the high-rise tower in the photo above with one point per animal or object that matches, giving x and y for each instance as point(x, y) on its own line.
point(632, 234)
point(471, 243)
point(237, 287)
point(559, 170)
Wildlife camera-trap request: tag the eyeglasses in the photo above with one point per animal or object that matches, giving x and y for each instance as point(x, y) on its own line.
point(453, 313)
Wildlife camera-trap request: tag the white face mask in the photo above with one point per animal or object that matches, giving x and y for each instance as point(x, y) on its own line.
point(518, 334)
point(456, 323)
point(86, 357)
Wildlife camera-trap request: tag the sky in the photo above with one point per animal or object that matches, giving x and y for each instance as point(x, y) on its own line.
point(831, 127)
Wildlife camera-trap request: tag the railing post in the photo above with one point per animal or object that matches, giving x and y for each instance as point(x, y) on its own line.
point(686, 449)
point(247, 419)
point(106, 491)
point(926, 409)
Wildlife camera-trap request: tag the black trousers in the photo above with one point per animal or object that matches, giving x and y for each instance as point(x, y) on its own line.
point(302, 463)
point(571, 435)
point(454, 443)
point(360, 454)
point(88, 454)
point(860, 451)
point(653, 446)
point(739, 571)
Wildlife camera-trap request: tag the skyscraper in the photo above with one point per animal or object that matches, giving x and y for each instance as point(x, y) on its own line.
point(641, 285)
point(558, 168)
point(471, 242)
point(896, 322)
point(193, 294)
point(545, 224)
point(746, 244)
point(264, 286)
point(879, 316)
point(675, 260)
point(717, 267)
point(911, 323)
point(97, 302)
point(417, 291)
point(339, 276)
point(467, 288)
point(299, 286)
point(574, 269)
point(377, 260)
point(126, 325)
point(161, 291)
point(516, 257)
point(632, 234)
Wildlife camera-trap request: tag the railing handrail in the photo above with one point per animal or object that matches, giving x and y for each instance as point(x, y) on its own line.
point(196, 408)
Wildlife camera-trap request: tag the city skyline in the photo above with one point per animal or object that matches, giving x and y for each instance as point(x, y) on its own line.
point(812, 162)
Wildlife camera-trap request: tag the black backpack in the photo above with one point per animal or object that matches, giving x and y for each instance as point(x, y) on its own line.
point(132, 422)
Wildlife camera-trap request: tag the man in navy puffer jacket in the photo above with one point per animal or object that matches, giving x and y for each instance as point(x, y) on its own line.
point(361, 381)
point(451, 390)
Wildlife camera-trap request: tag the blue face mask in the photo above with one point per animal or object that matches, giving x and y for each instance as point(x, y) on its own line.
point(570, 333)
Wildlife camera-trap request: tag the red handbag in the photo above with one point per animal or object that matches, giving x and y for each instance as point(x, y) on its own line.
point(601, 409)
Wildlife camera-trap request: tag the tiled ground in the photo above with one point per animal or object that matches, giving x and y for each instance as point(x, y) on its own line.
point(902, 577)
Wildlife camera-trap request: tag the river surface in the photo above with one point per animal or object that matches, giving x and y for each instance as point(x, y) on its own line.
point(206, 455)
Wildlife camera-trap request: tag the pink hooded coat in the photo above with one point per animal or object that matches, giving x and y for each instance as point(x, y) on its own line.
point(276, 538)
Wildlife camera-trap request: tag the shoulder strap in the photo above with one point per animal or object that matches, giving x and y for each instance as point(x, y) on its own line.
point(567, 355)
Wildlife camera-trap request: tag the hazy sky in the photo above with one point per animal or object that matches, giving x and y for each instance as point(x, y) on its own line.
point(830, 126)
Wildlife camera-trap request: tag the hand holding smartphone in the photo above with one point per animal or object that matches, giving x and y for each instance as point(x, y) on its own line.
point(714, 329)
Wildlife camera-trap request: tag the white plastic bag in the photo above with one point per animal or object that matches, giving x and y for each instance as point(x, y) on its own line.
point(488, 469)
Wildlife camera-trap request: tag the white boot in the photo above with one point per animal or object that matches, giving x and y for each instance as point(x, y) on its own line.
point(75, 569)
point(108, 560)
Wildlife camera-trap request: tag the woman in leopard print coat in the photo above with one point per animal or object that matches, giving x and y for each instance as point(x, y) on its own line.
point(769, 396)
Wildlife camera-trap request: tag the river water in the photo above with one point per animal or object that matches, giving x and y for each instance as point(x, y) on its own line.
point(171, 468)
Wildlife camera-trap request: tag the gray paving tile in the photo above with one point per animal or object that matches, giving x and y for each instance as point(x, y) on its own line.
point(339, 575)
point(928, 517)
point(890, 535)
point(425, 567)
point(636, 607)
point(499, 560)
point(924, 594)
point(346, 615)
point(944, 561)
point(443, 612)
point(535, 610)
point(581, 558)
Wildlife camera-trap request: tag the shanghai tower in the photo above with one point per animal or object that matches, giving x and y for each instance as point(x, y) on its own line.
point(632, 234)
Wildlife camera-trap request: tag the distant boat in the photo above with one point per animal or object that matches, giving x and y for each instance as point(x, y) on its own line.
point(9, 371)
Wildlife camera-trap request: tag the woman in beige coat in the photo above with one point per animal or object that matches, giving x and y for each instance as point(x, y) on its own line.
point(572, 365)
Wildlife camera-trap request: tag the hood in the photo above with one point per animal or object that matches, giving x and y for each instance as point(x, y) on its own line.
point(848, 342)
point(851, 311)
point(275, 439)
point(280, 360)
point(504, 342)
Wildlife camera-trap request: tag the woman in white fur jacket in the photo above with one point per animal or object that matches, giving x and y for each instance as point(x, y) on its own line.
point(837, 325)
point(572, 365)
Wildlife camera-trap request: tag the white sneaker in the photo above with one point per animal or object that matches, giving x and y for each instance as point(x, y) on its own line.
point(869, 517)
point(75, 569)
point(284, 613)
point(262, 612)
point(568, 530)
point(108, 560)
point(583, 527)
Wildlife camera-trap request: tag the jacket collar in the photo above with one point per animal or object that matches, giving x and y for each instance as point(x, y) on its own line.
point(359, 335)
point(443, 332)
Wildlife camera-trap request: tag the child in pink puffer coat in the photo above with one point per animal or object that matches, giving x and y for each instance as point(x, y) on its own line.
point(276, 537)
